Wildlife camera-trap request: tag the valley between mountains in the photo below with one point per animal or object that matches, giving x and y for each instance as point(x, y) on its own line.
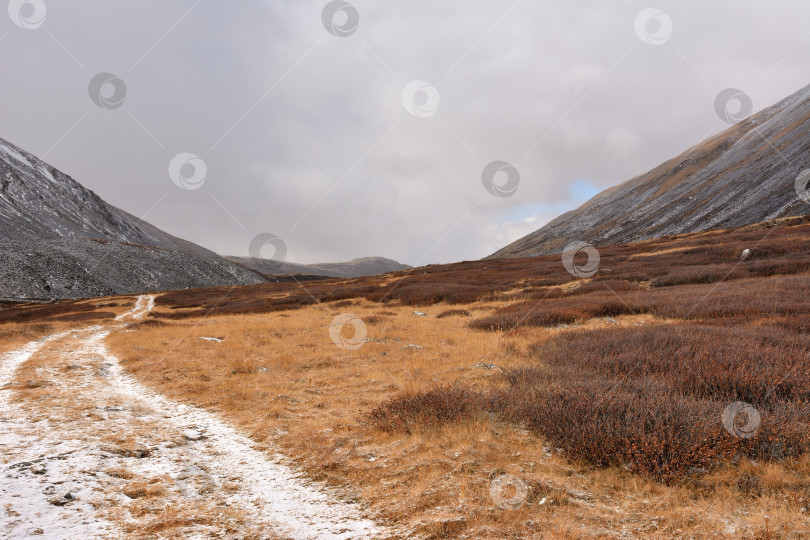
point(639, 367)
point(456, 405)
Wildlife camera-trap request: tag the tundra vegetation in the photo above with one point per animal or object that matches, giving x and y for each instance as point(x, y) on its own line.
point(608, 397)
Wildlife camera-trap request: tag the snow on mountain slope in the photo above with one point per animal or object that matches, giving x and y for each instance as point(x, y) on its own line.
point(38, 202)
point(60, 240)
point(743, 175)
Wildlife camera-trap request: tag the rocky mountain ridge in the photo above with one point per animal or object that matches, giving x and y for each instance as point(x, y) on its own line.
point(61, 240)
point(364, 266)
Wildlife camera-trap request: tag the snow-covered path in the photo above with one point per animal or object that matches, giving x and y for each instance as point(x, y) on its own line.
point(94, 454)
point(34, 465)
point(143, 305)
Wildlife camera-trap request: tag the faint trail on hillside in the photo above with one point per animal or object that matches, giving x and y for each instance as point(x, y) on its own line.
point(143, 305)
point(108, 440)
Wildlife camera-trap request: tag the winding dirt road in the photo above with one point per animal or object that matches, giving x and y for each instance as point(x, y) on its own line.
point(94, 454)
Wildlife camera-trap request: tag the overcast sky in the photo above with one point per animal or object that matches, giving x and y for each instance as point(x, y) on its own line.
point(310, 128)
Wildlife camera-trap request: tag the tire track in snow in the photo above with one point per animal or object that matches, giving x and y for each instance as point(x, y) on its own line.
point(25, 456)
point(143, 305)
point(207, 460)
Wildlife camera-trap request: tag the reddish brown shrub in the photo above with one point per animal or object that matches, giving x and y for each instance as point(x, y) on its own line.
point(649, 399)
point(652, 398)
point(429, 409)
point(643, 427)
point(696, 260)
point(554, 312)
point(83, 317)
point(454, 313)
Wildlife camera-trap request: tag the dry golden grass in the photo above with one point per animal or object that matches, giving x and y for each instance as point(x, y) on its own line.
point(282, 380)
point(14, 335)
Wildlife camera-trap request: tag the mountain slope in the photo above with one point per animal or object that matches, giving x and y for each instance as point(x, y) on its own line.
point(60, 240)
point(38, 202)
point(743, 175)
point(86, 268)
point(365, 266)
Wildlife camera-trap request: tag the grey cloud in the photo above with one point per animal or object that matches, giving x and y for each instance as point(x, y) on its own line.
point(543, 72)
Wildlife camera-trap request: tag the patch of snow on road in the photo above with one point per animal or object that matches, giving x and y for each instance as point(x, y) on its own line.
point(36, 470)
point(143, 305)
point(268, 488)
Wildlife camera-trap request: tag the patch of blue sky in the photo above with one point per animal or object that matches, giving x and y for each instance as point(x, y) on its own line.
point(579, 192)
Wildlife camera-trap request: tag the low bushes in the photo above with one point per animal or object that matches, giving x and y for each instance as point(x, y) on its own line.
point(555, 312)
point(642, 426)
point(745, 299)
point(429, 409)
point(649, 399)
point(652, 399)
point(454, 313)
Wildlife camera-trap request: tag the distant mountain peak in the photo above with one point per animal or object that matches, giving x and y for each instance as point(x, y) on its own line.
point(362, 266)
